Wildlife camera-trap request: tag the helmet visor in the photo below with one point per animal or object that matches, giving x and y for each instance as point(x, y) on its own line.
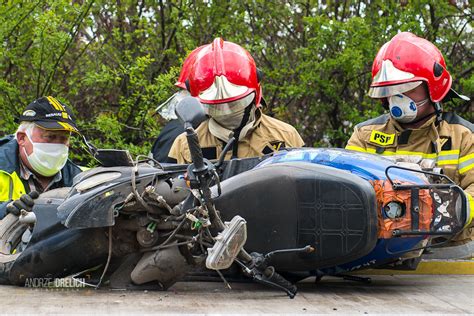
point(220, 109)
point(166, 109)
point(387, 91)
point(222, 89)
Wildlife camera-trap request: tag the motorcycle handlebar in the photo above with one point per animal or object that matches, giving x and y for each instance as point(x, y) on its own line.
point(195, 149)
point(271, 276)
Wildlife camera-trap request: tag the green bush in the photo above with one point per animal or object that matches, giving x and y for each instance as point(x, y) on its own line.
point(114, 62)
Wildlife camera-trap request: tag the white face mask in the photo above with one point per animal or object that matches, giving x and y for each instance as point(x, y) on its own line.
point(230, 114)
point(47, 159)
point(223, 125)
point(230, 121)
point(403, 108)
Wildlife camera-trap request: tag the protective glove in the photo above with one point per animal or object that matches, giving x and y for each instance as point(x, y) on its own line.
point(25, 202)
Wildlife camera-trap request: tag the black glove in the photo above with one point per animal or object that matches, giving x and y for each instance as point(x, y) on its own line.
point(25, 202)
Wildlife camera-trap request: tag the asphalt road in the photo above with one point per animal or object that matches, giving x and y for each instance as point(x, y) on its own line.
point(399, 294)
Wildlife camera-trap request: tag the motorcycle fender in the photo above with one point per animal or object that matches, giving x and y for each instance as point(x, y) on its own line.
point(97, 205)
point(101, 208)
point(96, 212)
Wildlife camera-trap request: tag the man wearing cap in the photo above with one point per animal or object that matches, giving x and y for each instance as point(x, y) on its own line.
point(410, 78)
point(35, 159)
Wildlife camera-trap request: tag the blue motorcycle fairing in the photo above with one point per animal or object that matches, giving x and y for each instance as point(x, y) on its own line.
point(384, 250)
point(365, 165)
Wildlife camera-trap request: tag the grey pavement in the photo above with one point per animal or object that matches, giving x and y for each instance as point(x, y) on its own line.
point(397, 294)
point(465, 251)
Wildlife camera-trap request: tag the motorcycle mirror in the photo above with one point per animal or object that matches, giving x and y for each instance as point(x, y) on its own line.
point(113, 157)
point(166, 109)
point(109, 157)
point(190, 112)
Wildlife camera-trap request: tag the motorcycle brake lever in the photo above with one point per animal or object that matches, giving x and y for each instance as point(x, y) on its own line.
point(306, 249)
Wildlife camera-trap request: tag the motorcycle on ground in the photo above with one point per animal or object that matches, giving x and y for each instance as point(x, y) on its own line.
point(275, 220)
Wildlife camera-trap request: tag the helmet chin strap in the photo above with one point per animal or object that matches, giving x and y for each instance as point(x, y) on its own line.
point(238, 130)
point(439, 111)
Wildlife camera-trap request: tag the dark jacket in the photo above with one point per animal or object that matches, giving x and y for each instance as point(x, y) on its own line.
point(161, 146)
point(11, 184)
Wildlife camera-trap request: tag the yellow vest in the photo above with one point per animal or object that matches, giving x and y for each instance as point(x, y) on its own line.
point(11, 186)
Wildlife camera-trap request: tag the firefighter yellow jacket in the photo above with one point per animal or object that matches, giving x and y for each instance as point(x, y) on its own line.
point(450, 143)
point(268, 136)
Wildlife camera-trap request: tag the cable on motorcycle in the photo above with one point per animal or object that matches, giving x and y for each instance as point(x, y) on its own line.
point(134, 189)
point(147, 158)
point(182, 243)
point(226, 148)
point(80, 281)
point(169, 238)
point(218, 182)
point(109, 256)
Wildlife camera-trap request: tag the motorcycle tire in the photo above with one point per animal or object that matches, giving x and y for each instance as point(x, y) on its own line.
point(11, 231)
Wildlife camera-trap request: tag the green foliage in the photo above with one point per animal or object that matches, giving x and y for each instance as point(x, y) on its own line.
point(115, 61)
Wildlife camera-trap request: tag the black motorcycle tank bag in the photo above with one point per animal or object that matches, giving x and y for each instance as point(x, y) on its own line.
point(292, 205)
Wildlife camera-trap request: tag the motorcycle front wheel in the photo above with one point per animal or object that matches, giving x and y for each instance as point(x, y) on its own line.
point(11, 232)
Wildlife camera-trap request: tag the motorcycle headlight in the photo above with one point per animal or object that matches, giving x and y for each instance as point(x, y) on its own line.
point(228, 244)
point(394, 210)
point(96, 180)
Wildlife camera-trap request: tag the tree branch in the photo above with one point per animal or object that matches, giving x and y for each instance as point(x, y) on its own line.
point(73, 34)
point(21, 20)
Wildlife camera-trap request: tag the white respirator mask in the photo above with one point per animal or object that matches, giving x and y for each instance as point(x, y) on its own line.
point(403, 108)
point(47, 159)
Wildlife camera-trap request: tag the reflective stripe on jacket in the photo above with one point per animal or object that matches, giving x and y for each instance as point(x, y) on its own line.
point(450, 144)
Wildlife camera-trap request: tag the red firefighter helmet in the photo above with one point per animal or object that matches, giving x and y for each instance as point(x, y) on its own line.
point(224, 77)
point(406, 61)
point(186, 68)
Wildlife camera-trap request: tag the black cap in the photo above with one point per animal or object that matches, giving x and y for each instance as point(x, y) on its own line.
point(50, 114)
